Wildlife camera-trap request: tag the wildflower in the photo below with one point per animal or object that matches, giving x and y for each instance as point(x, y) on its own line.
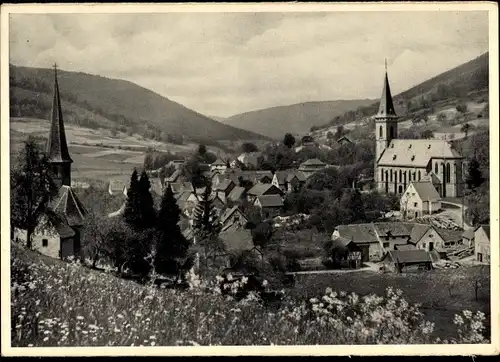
point(46, 339)
point(458, 320)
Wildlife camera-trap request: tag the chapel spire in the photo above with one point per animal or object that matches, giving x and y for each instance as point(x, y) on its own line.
point(386, 107)
point(57, 148)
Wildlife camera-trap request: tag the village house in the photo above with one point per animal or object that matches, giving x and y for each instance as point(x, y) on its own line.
point(269, 205)
point(404, 260)
point(117, 187)
point(401, 161)
point(224, 188)
point(364, 236)
point(345, 253)
point(392, 234)
point(237, 195)
point(420, 198)
point(311, 166)
point(261, 190)
point(58, 234)
point(288, 181)
point(482, 244)
point(376, 239)
point(345, 141)
point(218, 165)
point(233, 217)
point(439, 242)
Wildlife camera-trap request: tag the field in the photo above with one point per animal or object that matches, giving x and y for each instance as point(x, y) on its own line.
point(61, 304)
point(97, 154)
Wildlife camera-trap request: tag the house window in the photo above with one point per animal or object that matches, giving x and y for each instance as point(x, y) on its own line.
point(392, 132)
point(419, 175)
point(436, 169)
point(415, 204)
point(386, 245)
point(400, 176)
point(382, 175)
point(380, 132)
point(391, 175)
point(424, 245)
point(448, 172)
point(45, 243)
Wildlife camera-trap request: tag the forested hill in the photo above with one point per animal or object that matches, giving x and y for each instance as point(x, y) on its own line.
point(94, 101)
point(456, 84)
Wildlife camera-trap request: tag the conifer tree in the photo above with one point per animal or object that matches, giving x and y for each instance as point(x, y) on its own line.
point(146, 203)
point(474, 175)
point(170, 243)
point(206, 224)
point(132, 214)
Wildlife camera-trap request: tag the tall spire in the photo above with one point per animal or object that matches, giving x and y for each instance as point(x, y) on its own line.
point(386, 107)
point(57, 148)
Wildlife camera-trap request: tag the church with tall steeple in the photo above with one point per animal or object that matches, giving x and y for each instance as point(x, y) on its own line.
point(59, 232)
point(399, 162)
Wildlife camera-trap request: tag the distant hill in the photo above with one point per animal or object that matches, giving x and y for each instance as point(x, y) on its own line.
point(295, 118)
point(94, 101)
point(458, 84)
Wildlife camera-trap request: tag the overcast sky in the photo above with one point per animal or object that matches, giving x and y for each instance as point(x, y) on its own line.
point(221, 64)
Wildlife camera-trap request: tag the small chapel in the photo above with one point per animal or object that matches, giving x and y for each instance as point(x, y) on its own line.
point(58, 233)
point(398, 162)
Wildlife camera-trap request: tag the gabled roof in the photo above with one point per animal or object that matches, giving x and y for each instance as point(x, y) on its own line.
point(406, 247)
point(418, 232)
point(218, 162)
point(468, 234)
point(224, 185)
point(409, 256)
point(67, 205)
point(386, 106)
point(486, 229)
point(391, 228)
point(417, 153)
point(358, 233)
point(270, 200)
point(298, 174)
point(313, 162)
point(449, 235)
point(57, 147)
point(227, 214)
point(261, 189)
point(236, 193)
point(281, 176)
point(344, 139)
point(426, 191)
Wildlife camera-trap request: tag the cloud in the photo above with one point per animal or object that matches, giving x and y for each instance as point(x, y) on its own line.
point(226, 63)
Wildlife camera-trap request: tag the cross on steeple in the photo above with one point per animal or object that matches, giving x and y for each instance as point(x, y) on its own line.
point(386, 64)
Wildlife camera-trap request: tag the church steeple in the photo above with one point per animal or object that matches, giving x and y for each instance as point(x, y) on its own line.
point(57, 148)
point(386, 107)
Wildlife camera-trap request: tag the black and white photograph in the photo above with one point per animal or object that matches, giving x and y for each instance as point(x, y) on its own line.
point(250, 175)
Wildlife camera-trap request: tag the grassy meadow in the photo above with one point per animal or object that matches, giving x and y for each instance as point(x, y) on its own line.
point(64, 304)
